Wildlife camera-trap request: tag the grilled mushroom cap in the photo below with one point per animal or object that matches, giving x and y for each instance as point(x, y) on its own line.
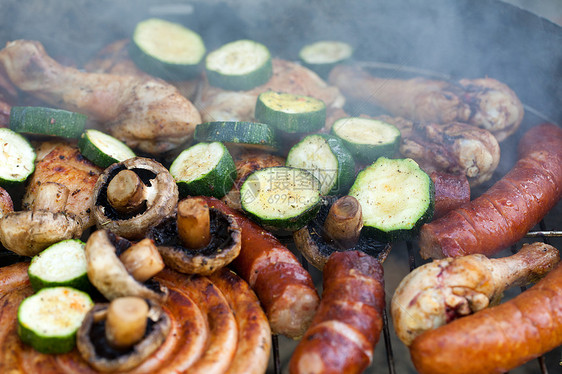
point(223, 247)
point(109, 275)
point(28, 232)
point(130, 210)
point(95, 349)
point(335, 229)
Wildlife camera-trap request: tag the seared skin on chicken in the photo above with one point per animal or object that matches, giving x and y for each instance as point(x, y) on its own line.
point(216, 104)
point(455, 148)
point(246, 163)
point(146, 113)
point(485, 103)
point(6, 203)
point(443, 290)
point(63, 163)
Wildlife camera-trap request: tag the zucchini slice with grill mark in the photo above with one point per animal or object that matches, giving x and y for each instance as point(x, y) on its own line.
point(396, 198)
point(49, 319)
point(167, 50)
point(327, 159)
point(281, 198)
point(47, 121)
point(17, 159)
point(367, 139)
point(103, 149)
point(239, 66)
point(323, 55)
point(204, 169)
point(290, 113)
point(252, 135)
point(61, 264)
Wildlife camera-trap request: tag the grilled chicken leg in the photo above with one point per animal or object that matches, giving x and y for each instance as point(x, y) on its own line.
point(146, 113)
point(485, 103)
point(455, 148)
point(438, 292)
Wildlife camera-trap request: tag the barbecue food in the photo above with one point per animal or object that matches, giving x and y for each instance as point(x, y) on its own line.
point(455, 148)
point(215, 328)
point(451, 191)
point(443, 290)
point(216, 104)
point(6, 203)
point(246, 163)
point(146, 113)
point(61, 162)
point(485, 103)
point(347, 326)
point(509, 209)
point(497, 339)
point(284, 288)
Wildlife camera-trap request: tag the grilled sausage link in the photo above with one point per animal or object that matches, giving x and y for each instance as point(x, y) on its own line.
point(284, 288)
point(451, 191)
point(497, 339)
point(348, 323)
point(509, 209)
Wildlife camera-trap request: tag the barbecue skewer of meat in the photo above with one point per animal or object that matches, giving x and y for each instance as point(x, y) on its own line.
point(443, 290)
point(509, 209)
point(485, 103)
point(144, 112)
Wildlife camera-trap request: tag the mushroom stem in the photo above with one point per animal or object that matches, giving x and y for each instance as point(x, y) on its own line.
point(194, 223)
point(126, 192)
point(126, 321)
point(344, 222)
point(142, 260)
point(51, 197)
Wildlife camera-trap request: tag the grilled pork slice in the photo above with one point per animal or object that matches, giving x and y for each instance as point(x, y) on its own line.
point(144, 112)
point(217, 104)
point(485, 103)
point(455, 148)
point(62, 163)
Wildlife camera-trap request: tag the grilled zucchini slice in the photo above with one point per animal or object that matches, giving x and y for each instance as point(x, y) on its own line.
point(239, 66)
point(367, 139)
point(323, 55)
point(396, 198)
point(167, 50)
point(17, 159)
point(204, 169)
point(252, 135)
point(47, 121)
point(49, 319)
point(327, 159)
point(280, 197)
point(103, 149)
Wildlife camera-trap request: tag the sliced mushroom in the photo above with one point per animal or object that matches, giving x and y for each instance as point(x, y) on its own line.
point(179, 241)
point(109, 275)
point(28, 232)
point(101, 354)
point(134, 195)
point(337, 228)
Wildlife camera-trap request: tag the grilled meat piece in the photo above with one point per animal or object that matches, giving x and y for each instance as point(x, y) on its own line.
point(485, 103)
point(63, 163)
point(443, 290)
point(216, 104)
point(146, 113)
point(455, 148)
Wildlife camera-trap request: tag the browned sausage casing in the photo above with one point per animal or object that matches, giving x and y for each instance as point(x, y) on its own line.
point(509, 209)
point(348, 323)
point(284, 288)
point(497, 339)
point(451, 191)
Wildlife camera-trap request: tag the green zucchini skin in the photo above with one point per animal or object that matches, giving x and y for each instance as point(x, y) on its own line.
point(47, 121)
point(365, 190)
point(345, 173)
point(272, 217)
point(241, 82)
point(252, 135)
point(217, 182)
point(99, 156)
point(157, 65)
point(285, 119)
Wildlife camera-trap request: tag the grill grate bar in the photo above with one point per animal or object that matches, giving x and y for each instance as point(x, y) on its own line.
point(388, 344)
